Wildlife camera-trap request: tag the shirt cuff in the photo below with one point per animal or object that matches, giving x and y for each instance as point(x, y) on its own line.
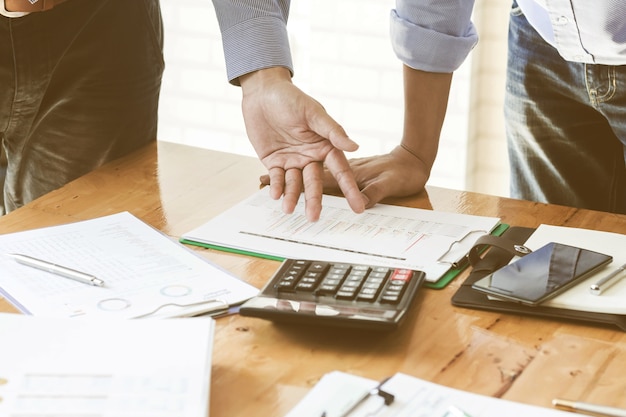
point(428, 50)
point(254, 45)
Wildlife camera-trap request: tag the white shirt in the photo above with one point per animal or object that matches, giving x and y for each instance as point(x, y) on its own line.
point(589, 31)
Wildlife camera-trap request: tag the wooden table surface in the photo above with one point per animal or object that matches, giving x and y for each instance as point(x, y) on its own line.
point(263, 369)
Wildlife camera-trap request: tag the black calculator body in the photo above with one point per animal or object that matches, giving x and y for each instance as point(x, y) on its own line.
point(336, 294)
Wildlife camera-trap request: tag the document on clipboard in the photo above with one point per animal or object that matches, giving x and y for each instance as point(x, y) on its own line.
point(145, 273)
point(340, 394)
point(385, 235)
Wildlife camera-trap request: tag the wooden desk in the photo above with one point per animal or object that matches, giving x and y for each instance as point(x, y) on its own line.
point(261, 369)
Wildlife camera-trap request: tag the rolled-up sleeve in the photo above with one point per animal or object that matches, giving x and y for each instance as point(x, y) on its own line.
point(254, 35)
point(433, 35)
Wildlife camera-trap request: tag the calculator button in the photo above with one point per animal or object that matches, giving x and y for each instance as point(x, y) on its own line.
point(294, 271)
point(351, 285)
point(305, 286)
point(390, 298)
point(355, 278)
point(402, 274)
point(368, 294)
point(378, 274)
point(318, 267)
point(325, 289)
point(345, 294)
point(286, 283)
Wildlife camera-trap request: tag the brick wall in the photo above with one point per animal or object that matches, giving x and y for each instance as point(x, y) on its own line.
point(343, 58)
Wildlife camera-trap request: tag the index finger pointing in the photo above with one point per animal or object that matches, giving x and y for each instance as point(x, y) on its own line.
point(339, 167)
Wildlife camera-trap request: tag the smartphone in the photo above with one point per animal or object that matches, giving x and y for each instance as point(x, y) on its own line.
point(542, 274)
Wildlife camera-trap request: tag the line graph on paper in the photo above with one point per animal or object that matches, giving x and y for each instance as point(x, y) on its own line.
point(370, 234)
point(383, 235)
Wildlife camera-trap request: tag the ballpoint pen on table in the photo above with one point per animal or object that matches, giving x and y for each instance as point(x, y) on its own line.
point(377, 390)
point(607, 281)
point(590, 408)
point(57, 269)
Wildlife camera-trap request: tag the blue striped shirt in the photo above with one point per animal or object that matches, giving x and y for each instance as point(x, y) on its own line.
point(430, 35)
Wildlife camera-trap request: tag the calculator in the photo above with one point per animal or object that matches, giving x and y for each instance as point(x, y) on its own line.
point(337, 294)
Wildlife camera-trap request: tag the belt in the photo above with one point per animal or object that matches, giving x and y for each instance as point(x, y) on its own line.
point(18, 8)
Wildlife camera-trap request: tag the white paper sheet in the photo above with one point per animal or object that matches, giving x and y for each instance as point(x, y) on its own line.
point(142, 268)
point(106, 368)
point(337, 392)
point(385, 235)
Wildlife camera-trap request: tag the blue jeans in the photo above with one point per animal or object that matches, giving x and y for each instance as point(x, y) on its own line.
point(565, 124)
point(79, 86)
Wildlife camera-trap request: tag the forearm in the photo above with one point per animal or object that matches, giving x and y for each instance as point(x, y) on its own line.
point(253, 81)
point(425, 105)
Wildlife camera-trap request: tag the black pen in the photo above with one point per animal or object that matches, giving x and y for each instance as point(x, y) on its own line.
point(57, 269)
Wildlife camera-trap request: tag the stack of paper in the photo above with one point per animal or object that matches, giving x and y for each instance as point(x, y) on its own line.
point(146, 274)
point(112, 368)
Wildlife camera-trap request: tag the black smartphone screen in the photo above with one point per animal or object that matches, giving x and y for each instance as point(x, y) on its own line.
point(542, 274)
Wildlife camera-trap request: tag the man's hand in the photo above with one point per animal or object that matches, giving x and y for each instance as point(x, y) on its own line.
point(294, 136)
point(396, 174)
point(399, 173)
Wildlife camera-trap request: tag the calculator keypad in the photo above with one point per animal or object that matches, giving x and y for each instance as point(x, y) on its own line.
point(337, 294)
point(342, 281)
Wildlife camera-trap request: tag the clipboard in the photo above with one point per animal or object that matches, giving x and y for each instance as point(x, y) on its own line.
point(461, 266)
point(437, 285)
point(495, 258)
point(386, 235)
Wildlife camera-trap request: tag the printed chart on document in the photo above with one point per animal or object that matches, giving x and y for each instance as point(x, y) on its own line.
point(386, 235)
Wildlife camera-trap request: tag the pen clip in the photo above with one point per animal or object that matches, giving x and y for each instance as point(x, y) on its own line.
point(388, 399)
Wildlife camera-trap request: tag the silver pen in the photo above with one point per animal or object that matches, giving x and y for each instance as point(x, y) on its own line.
point(57, 269)
point(607, 281)
point(590, 408)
